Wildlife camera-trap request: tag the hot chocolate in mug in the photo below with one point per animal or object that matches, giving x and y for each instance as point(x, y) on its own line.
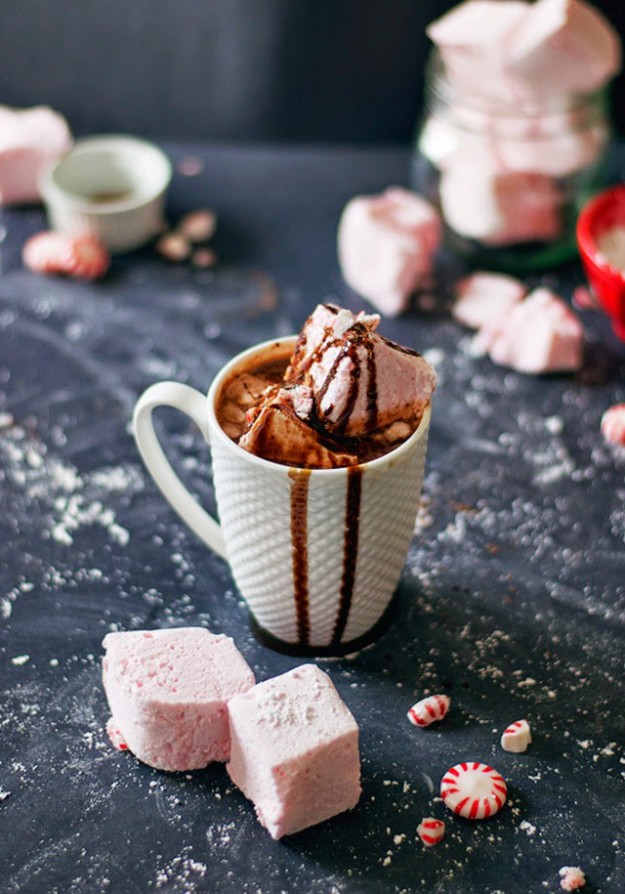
point(316, 553)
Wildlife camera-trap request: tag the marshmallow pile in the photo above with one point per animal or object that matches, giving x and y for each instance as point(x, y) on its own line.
point(182, 698)
point(517, 113)
point(535, 334)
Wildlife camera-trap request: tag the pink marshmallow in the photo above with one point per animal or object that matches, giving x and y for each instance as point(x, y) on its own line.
point(30, 139)
point(613, 425)
point(295, 750)
point(483, 297)
point(558, 146)
point(500, 208)
point(539, 335)
point(386, 245)
point(562, 47)
point(469, 38)
point(333, 344)
point(168, 691)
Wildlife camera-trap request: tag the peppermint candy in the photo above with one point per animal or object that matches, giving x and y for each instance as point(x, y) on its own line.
point(572, 878)
point(473, 790)
point(431, 831)
point(82, 257)
point(429, 709)
point(116, 736)
point(516, 737)
point(613, 424)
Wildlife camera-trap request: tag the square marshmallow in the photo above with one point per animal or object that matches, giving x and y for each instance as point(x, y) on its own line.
point(386, 245)
point(482, 297)
point(500, 207)
point(562, 47)
point(294, 750)
point(29, 140)
point(538, 335)
point(470, 37)
point(168, 691)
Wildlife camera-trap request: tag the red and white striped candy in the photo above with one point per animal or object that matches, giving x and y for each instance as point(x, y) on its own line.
point(613, 424)
point(90, 260)
point(572, 878)
point(80, 256)
point(429, 709)
point(431, 831)
point(516, 737)
point(473, 790)
point(115, 735)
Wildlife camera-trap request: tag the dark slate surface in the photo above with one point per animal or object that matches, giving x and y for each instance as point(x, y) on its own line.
point(512, 600)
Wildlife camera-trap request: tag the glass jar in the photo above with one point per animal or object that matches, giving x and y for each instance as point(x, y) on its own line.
point(509, 177)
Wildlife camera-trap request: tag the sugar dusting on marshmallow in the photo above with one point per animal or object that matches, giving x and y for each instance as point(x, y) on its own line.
point(295, 750)
point(168, 691)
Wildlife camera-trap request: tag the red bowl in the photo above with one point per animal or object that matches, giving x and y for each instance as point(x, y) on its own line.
point(605, 211)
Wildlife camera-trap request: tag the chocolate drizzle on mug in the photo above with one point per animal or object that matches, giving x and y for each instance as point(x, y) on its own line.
point(299, 549)
point(350, 550)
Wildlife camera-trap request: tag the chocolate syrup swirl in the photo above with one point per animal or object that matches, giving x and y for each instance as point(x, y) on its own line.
point(299, 550)
point(350, 550)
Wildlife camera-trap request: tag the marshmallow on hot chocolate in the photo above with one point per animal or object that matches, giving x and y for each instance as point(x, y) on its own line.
point(279, 434)
point(360, 381)
point(168, 692)
point(29, 140)
point(295, 750)
point(386, 245)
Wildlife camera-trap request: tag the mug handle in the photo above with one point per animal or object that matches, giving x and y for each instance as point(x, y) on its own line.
point(193, 403)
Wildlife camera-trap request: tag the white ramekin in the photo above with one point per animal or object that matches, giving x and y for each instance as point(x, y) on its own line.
point(111, 186)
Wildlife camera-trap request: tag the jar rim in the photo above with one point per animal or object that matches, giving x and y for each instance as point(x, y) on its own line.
point(439, 86)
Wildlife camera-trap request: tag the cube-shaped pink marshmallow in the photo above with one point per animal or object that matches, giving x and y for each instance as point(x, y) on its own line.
point(500, 207)
point(471, 39)
point(562, 47)
point(29, 139)
point(386, 246)
point(538, 335)
point(482, 297)
point(168, 691)
point(294, 750)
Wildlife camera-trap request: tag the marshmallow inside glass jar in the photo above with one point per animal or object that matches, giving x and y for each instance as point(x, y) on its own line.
point(510, 158)
point(112, 187)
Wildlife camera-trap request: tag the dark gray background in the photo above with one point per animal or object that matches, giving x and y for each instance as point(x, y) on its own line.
point(512, 600)
point(348, 70)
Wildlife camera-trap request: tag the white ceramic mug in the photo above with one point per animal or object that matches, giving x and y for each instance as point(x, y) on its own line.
point(317, 554)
